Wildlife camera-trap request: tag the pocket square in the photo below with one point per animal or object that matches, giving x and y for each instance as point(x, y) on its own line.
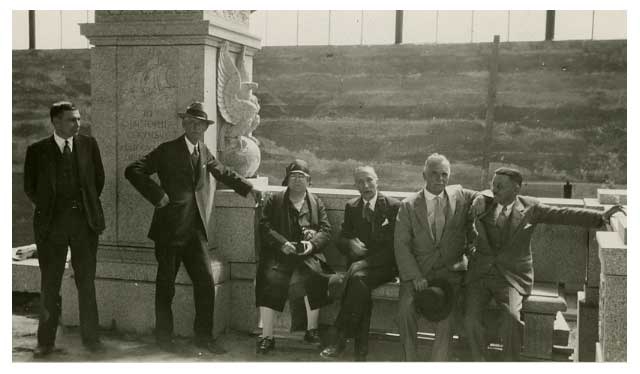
point(527, 226)
point(386, 222)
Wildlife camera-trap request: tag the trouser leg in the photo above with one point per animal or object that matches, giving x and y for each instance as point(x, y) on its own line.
point(407, 322)
point(168, 265)
point(198, 265)
point(477, 297)
point(511, 327)
point(52, 257)
point(83, 261)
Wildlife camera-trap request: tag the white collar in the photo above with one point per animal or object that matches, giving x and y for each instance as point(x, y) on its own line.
point(190, 145)
point(372, 202)
point(60, 142)
point(429, 196)
point(508, 210)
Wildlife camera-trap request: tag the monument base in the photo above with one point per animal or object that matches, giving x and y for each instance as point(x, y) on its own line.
point(125, 293)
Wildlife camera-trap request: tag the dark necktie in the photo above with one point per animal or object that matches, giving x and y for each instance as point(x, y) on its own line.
point(367, 213)
point(66, 156)
point(195, 157)
point(501, 223)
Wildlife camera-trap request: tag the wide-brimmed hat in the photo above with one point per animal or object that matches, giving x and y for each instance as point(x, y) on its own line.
point(297, 166)
point(196, 110)
point(436, 302)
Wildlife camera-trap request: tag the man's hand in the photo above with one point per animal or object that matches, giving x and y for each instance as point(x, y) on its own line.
point(257, 195)
point(288, 248)
point(420, 284)
point(613, 210)
point(308, 247)
point(477, 206)
point(163, 202)
point(357, 248)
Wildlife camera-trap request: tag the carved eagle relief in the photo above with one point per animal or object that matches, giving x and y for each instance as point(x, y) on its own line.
point(238, 105)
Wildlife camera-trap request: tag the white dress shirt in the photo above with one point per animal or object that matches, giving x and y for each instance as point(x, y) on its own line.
point(60, 142)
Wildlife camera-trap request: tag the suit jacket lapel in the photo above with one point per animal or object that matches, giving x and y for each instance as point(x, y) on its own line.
point(517, 217)
point(421, 212)
point(313, 209)
point(80, 153)
point(52, 155)
point(201, 163)
point(378, 213)
point(452, 201)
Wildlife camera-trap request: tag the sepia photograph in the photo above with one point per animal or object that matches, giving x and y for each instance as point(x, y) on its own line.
point(418, 185)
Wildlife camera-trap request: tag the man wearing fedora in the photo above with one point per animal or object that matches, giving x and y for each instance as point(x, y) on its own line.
point(366, 240)
point(501, 267)
point(179, 224)
point(431, 237)
point(63, 178)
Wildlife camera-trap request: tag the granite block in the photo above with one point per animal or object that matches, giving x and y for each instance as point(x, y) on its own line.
point(587, 330)
point(613, 318)
point(593, 262)
point(559, 253)
point(243, 270)
point(147, 272)
point(613, 253)
point(612, 196)
point(25, 276)
point(243, 306)
point(543, 305)
point(104, 129)
point(130, 306)
point(538, 335)
point(236, 233)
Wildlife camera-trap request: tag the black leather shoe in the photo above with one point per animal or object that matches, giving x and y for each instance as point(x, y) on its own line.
point(312, 336)
point(332, 351)
point(42, 351)
point(266, 344)
point(211, 346)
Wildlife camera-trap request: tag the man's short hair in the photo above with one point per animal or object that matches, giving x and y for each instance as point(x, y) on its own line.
point(364, 168)
point(513, 174)
point(436, 158)
point(59, 107)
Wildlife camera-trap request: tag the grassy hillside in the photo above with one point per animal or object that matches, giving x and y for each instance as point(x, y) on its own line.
point(561, 109)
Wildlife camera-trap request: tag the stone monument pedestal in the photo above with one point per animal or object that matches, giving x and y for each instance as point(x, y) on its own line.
point(146, 66)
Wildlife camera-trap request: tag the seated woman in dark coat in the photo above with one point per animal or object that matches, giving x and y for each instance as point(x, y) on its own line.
point(294, 230)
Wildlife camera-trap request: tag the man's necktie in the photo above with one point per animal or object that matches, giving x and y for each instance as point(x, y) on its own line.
point(367, 212)
point(438, 218)
point(66, 156)
point(501, 220)
point(501, 223)
point(195, 158)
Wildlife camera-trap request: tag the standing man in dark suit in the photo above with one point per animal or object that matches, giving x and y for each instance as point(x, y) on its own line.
point(63, 178)
point(367, 242)
point(502, 265)
point(179, 224)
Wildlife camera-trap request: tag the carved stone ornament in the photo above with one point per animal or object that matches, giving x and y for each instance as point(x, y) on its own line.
point(239, 108)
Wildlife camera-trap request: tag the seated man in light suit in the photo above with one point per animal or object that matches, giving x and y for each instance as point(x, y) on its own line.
point(431, 237)
point(502, 265)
